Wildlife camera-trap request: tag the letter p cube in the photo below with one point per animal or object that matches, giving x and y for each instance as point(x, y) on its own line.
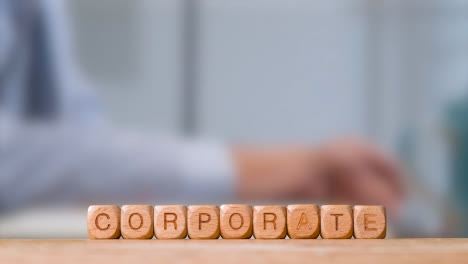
point(203, 221)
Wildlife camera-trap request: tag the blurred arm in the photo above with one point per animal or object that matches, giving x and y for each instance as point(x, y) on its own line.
point(343, 171)
point(65, 164)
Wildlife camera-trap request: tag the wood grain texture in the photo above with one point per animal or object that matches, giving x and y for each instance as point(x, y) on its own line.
point(203, 221)
point(136, 221)
point(226, 251)
point(103, 221)
point(336, 221)
point(170, 221)
point(269, 222)
point(303, 221)
point(236, 221)
point(369, 221)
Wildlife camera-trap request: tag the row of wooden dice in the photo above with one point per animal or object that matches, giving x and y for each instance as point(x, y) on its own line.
point(236, 221)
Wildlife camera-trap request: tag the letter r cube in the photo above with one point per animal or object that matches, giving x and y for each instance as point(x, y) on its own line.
point(269, 222)
point(170, 221)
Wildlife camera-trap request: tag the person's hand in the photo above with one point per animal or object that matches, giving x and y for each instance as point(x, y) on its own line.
point(347, 171)
point(360, 173)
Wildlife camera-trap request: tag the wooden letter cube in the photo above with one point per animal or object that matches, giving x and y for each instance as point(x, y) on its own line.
point(337, 221)
point(269, 222)
point(103, 221)
point(170, 221)
point(137, 221)
point(369, 222)
point(303, 221)
point(236, 221)
point(203, 221)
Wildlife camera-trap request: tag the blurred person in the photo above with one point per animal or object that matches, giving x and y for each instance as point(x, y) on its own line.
point(55, 147)
point(456, 122)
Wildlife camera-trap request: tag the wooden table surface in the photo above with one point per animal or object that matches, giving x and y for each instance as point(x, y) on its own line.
point(235, 251)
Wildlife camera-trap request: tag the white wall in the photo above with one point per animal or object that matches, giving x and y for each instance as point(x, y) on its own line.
point(282, 70)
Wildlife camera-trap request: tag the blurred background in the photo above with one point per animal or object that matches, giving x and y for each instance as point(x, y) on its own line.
point(392, 71)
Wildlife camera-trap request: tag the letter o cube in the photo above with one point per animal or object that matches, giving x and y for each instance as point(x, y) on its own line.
point(236, 221)
point(137, 221)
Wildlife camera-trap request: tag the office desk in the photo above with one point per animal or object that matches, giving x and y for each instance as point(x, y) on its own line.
point(235, 251)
